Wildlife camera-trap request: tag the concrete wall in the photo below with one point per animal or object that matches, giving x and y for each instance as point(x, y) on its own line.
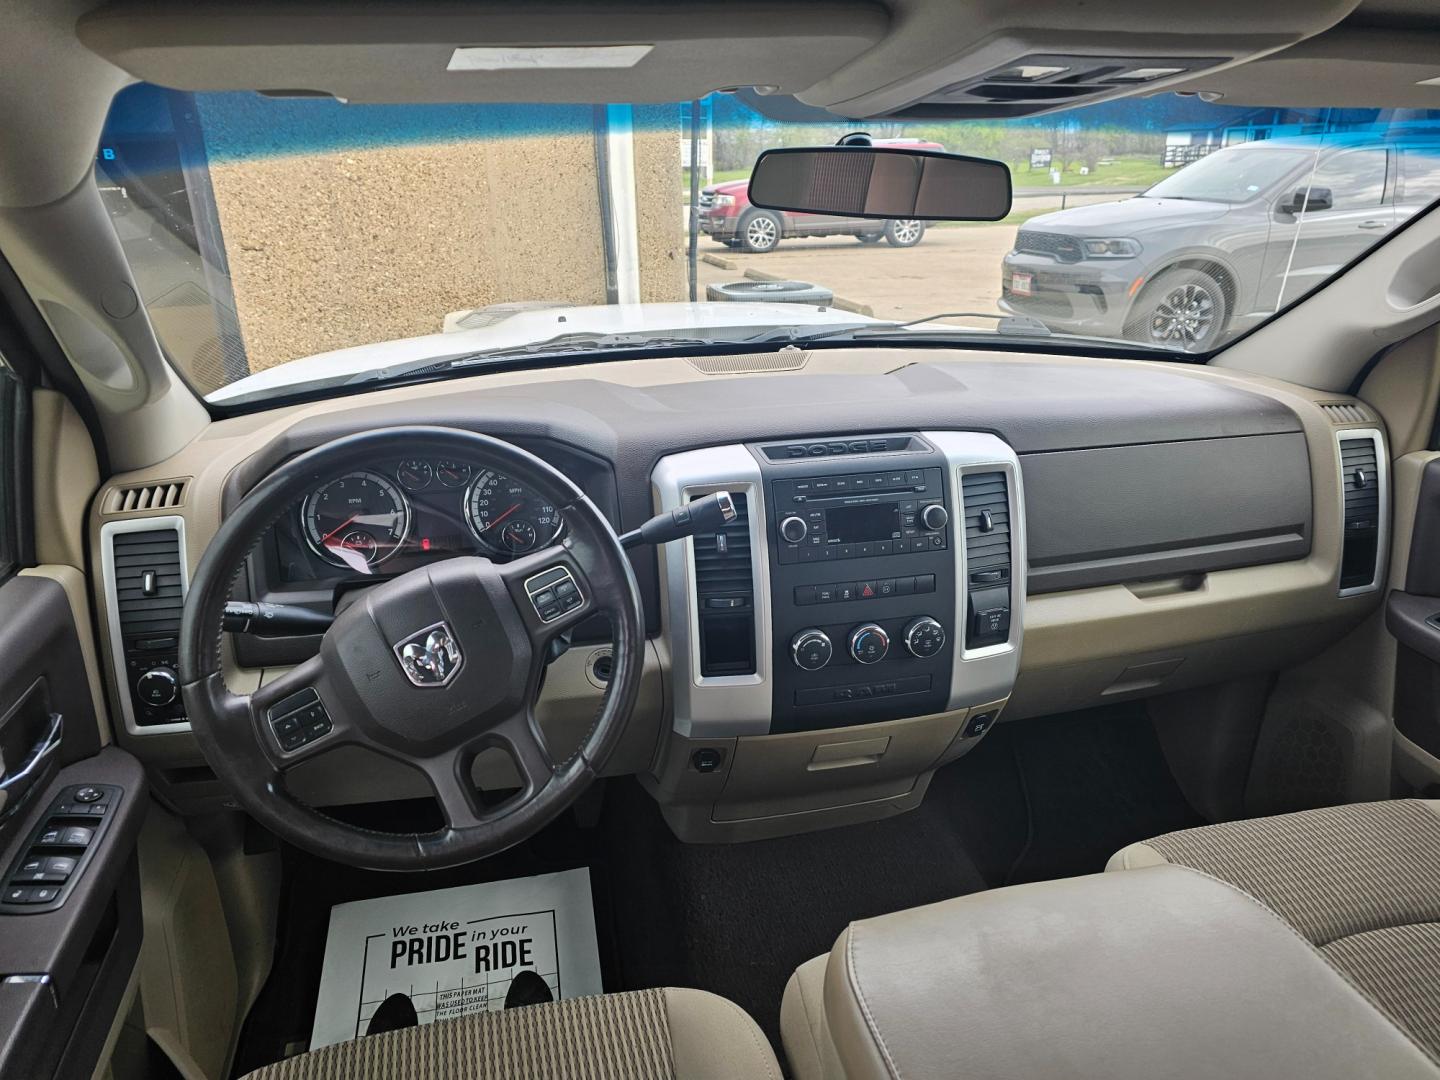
point(344, 246)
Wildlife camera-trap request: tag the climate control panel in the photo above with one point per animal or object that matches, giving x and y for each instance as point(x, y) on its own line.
point(862, 580)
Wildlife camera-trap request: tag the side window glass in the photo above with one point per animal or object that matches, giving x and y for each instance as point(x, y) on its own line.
point(1356, 179)
point(1420, 169)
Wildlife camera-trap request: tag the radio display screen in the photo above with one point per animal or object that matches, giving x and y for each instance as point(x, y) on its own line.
point(856, 524)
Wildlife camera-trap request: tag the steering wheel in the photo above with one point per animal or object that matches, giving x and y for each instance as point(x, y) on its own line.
point(429, 668)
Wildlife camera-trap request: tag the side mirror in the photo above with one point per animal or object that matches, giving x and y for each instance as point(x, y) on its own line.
point(881, 182)
point(1315, 198)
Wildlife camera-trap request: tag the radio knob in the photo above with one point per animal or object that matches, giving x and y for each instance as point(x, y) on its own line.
point(157, 687)
point(811, 649)
point(869, 643)
point(934, 517)
point(793, 529)
point(924, 637)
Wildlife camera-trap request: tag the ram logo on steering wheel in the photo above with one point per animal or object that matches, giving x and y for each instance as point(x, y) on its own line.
point(430, 657)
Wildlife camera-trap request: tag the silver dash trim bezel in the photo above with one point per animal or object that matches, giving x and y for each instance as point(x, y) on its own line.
point(1382, 473)
point(714, 707)
point(108, 532)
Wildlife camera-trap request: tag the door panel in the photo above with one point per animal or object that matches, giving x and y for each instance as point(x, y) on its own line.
point(65, 962)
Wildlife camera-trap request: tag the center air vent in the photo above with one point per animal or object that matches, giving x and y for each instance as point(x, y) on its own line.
point(986, 500)
point(725, 596)
point(987, 526)
point(1364, 510)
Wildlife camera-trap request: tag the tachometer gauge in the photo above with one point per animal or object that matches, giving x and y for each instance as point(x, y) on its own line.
point(506, 516)
point(452, 474)
point(415, 474)
point(357, 520)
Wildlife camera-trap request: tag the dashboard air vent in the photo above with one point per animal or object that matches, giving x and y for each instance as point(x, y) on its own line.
point(725, 596)
point(149, 589)
point(162, 495)
point(988, 599)
point(1364, 507)
point(1346, 412)
point(987, 526)
point(787, 359)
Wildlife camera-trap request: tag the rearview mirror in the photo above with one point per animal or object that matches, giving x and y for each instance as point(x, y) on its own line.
point(1315, 198)
point(881, 182)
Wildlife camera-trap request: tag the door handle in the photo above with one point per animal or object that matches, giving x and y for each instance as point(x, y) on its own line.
point(15, 786)
point(1374, 225)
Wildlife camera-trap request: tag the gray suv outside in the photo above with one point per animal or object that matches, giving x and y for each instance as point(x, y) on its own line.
point(1223, 242)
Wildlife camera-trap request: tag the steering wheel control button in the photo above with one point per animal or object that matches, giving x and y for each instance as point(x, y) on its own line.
point(553, 593)
point(924, 637)
point(869, 643)
point(157, 687)
point(811, 649)
point(299, 719)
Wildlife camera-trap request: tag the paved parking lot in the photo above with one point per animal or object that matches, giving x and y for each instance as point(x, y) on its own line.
point(951, 269)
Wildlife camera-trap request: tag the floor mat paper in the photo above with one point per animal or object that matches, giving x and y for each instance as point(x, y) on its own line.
point(453, 952)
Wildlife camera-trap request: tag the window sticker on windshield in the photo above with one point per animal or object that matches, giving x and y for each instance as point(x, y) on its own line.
point(398, 961)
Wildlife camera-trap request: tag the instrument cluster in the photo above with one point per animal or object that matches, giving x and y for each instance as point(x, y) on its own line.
point(416, 508)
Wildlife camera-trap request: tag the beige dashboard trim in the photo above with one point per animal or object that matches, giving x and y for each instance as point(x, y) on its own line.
point(1076, 643)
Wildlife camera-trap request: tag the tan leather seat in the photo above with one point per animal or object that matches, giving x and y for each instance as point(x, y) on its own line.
point(1304, 945)
point(645, 1035)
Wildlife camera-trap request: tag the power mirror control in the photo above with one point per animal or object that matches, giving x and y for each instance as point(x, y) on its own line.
point(869, 643)
point(811, 649)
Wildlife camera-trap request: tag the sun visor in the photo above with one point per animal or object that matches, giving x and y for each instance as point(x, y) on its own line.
point(535, 52)
point(1005, 59)
point(1345, 68)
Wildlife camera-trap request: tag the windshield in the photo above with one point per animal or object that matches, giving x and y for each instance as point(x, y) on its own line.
point(1231, 176)
point(304, 244)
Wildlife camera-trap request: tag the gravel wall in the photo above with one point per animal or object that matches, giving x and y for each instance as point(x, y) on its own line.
point(337, 248)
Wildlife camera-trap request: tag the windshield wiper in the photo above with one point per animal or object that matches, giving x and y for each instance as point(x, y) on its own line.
point(1017, 325)
point(563, 345)
point(1014, 326)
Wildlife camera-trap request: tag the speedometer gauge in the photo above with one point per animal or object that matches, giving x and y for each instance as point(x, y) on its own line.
point(508, 517)
point(357, 520)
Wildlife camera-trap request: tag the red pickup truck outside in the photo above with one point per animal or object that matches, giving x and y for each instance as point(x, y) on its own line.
point(727, 216)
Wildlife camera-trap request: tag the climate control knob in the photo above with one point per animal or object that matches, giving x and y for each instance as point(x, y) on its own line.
point(157, 688)
point(869, 643)
point(793, 529)
point(811, 649)
point(923, 637)
point(934, 517)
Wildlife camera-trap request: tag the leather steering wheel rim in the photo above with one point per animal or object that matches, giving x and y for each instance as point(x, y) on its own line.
point(361, 680)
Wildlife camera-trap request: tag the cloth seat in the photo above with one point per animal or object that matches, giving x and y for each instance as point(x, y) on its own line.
point(1301, 945)
point(1361, 883)
point(664, 1034)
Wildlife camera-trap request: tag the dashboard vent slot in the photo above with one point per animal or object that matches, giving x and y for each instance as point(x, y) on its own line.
point(1346, 412)
point(149, 587)
point(161, 495)
point(786, 359)
point(987, 525)
point(725, 596)
point(1364, 506)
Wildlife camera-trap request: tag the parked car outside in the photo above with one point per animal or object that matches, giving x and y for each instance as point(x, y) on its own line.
point(726, 215)
point(1223, 242)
